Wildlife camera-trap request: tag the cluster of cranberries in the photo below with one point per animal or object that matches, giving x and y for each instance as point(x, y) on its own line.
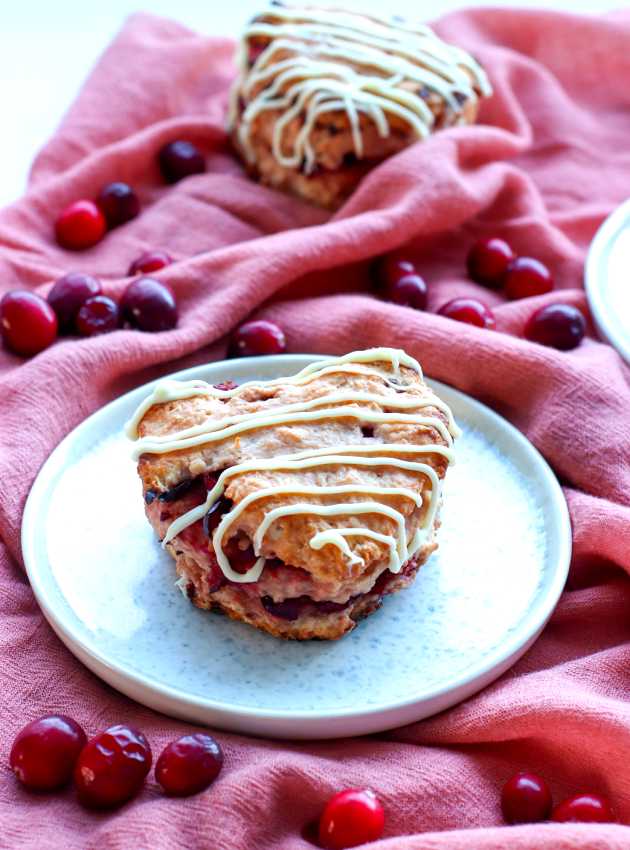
point(76, 304)
point(84, 222)
point(526, 798)
point(110, 768)
point(356, 816)
point(492, 263)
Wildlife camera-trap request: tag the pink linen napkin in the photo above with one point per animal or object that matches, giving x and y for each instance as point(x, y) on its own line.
point(549, 160)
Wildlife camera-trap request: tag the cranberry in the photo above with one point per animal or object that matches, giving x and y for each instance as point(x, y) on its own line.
point(112, 767)
point(80, 225)
point(351, 818)
point(254, 51)
point(209, 479)
point(560, 326)
point(288, 609)
point(189, 765)
point(583, 808)
point(150, 261)
point(488, 260)
point(468, 310)
point(390, 268)
point(525, 277)
point(176, 492)
point(180, 159)
point(28, 324)
point(226, 386)
point(409, 291)
point(241, 560)
point(68, 294)
point(525, 798)
point(98, 315)
point(259, 337)
point(215, 514)
point(118, 203)
point(44, 753)
point(214, 577)
point(149, 305)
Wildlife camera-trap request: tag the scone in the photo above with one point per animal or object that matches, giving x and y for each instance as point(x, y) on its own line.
point(325, 94)
point(297, 504)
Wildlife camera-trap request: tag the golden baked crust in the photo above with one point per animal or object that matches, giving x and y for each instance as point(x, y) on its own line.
point(289, 541)
point(348, 406)
point(285, 49)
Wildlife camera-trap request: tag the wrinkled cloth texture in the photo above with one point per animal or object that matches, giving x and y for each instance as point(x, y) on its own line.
point(547, 162)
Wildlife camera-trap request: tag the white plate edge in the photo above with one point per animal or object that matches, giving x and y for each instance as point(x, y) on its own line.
point(597, 254)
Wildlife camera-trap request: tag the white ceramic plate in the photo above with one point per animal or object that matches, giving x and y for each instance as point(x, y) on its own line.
point(607, 279)
point(107, 588)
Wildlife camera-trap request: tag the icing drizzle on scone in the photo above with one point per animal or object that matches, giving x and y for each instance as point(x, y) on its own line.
point(323, 60)
point(346, 405)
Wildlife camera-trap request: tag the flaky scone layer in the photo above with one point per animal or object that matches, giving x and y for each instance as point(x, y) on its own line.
point(296, 504)
point(310, 624)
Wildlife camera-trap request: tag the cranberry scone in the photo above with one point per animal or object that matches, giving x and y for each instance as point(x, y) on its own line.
point(325, 94)
point(297, 504)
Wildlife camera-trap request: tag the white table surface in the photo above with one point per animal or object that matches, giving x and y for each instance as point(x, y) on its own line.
point(47, 48)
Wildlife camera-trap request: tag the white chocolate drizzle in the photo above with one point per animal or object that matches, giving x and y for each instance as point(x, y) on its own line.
point(320, 60)
point(368, 454)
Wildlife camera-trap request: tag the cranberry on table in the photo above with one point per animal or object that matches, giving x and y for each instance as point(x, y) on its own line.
point(28, 324)
point(560, 326)
point(525, 277)
point(390, 268)
point(257, 337)
point(189, 764)
point(150, 261)
point(408, 291)
point(488, 260)
point(98, 315)
point(80, 225)
point(118, 203)
point(470, 311)
point(112, 767)
point(68, 294)
point(149, 305)
point(180, 159)
point(351, 818)
point(583, 808)
point(526, 798)
point(44, 753)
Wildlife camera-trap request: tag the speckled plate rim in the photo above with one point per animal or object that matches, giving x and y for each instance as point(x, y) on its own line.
point(303, 724)
point(607, 321)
